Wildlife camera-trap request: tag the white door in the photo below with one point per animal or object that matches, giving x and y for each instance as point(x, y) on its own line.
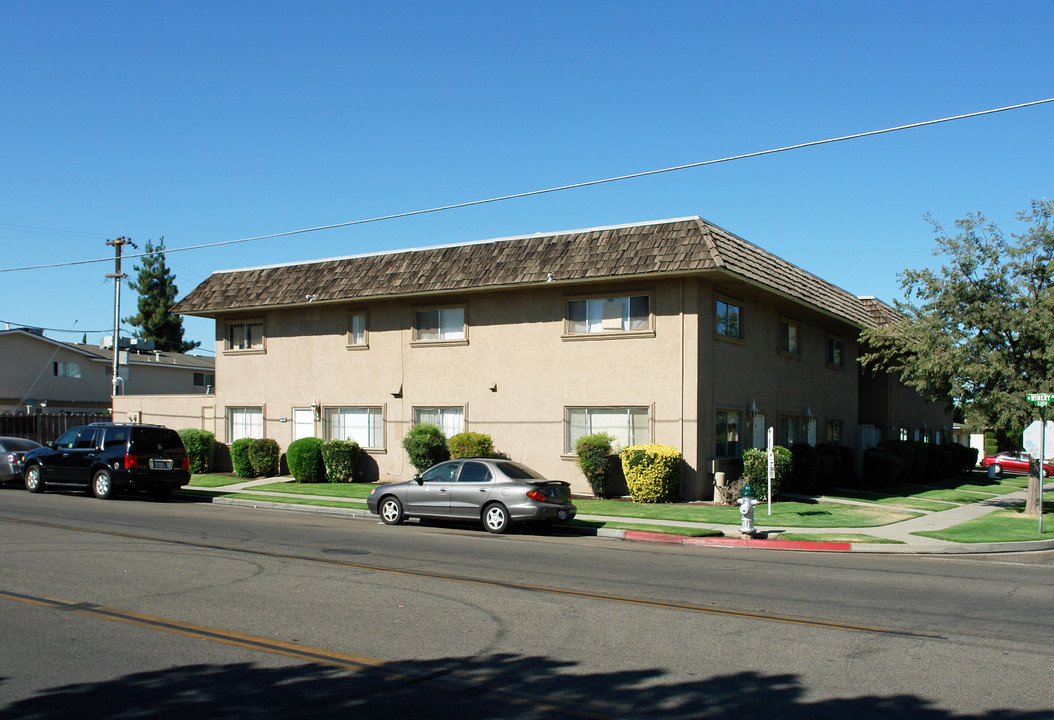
point(303, 423)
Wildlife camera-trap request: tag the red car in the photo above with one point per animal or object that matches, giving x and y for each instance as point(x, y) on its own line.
point(1015, 462)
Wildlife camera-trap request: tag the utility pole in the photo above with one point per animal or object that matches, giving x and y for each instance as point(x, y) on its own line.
point(117, 276)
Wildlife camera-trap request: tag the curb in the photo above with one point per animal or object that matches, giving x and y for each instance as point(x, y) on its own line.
point(643, 536)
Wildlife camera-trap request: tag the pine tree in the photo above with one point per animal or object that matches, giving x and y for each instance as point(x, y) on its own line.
point(157, 294)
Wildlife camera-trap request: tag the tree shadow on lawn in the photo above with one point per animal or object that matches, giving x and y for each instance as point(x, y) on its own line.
point(466, 688)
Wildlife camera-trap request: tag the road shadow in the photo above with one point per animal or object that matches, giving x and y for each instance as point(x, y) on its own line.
point(465, 688)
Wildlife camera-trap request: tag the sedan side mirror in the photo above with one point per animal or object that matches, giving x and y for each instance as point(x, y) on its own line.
point(418, 480)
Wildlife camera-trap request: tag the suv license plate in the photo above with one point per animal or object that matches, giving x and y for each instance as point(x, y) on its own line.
point(156, 464)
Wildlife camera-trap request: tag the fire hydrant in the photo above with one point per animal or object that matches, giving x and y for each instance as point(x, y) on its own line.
point(747, 501)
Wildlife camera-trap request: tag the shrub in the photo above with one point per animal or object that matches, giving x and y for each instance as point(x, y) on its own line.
point(882, 467)
point(471, 445)
point(426, 446)
point(264, 455)
point(304, 457)
point(243, 467)
point(652, 472)
point(339, 458)
point(832, 470)
point(594, 460)
point(200, 445)
point(756, 469)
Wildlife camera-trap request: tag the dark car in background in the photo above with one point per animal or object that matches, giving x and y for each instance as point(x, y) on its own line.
point(109, 457)
point(494, 492)
point(1015, 462)
point(12, 450)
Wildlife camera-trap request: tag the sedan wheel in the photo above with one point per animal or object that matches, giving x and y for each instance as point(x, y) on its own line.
point(102, 486)
point(496, 518)
point(997, 469)
point(35, 479)
point(391, 511)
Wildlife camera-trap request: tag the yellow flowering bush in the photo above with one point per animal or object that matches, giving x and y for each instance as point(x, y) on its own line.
point(652, 472)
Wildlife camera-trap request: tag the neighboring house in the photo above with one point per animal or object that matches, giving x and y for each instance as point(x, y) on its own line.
point(41, 374)
point(674, 332)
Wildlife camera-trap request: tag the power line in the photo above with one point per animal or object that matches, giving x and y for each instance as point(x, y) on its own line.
point(559, 188)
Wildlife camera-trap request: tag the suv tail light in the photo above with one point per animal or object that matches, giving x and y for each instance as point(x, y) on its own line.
point(537, 495)
point(131, 462)
point(185, 465)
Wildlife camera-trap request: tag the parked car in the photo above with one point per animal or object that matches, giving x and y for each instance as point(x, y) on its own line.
point(108, 457)
point(12, 450)
point(1015, 462)
point(496, 492)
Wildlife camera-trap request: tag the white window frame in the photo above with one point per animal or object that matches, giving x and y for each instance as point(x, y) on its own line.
point(364, 425)
point(244, 422)
point(239, 336)
point(629, 425)
point(608, 315)
point(447, 330)
point(448, 418)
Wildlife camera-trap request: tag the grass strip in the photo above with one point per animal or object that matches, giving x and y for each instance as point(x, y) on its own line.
point(835, 537)
point(209, 480)
point(903, 501)
point(342, 490)
point(663, 529)
point(1008, 525)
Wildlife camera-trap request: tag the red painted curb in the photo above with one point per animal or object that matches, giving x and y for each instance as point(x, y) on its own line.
point(665, 539)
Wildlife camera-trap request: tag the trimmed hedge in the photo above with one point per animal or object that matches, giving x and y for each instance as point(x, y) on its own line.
point(756, 469)
point(594, 460)
point(304, 457)
point(882, 467)
point(425, 445)
point(652, 472)
point(243, 467)
point(471, 445)
point(805, 472)
point(339, 458)
point(264, 455)
point(200, 445)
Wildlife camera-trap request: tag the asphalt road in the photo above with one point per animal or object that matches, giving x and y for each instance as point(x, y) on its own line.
point(131, 607)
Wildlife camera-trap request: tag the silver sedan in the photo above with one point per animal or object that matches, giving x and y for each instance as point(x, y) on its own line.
point(495, 492)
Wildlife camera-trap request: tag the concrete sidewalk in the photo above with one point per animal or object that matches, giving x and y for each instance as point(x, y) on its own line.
point(900, 532)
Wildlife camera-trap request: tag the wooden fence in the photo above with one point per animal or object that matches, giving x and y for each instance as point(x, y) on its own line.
point(45, 428)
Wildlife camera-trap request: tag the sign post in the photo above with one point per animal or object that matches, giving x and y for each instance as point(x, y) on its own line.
point(1041, 400)
point(772, 467)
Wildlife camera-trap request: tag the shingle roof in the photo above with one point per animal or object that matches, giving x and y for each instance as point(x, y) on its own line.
point(668, 247)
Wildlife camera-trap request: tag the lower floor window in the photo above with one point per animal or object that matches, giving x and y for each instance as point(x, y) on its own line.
point(451, 420)
point(364, 426)
point(727, 433)
point(834, 431)
point(245, 422)
point(627, 425)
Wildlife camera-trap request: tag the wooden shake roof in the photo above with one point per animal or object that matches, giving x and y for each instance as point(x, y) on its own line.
point(684, 246)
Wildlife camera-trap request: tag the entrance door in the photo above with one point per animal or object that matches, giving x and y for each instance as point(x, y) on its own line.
point(303, 423)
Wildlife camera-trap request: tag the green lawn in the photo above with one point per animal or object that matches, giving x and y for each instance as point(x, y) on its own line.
point(343, 490)
point(209, 480)
point(835, 537)
point(1009, 525)
point(881, 498)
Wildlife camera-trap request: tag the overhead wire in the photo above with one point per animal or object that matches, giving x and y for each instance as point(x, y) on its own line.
point(559, 188)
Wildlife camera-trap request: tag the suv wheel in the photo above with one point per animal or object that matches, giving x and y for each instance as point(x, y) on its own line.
point(35, 479)
point(102, 485)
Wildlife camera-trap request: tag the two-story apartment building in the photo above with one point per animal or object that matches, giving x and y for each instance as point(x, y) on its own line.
point(674, 332)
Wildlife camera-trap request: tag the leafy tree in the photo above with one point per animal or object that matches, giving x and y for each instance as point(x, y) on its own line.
point(979, 332)
point(157, 294)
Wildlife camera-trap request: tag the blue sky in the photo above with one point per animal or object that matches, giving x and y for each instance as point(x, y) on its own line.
point(206, 122)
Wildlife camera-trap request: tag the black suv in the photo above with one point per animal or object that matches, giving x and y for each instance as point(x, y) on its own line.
point(111, 456)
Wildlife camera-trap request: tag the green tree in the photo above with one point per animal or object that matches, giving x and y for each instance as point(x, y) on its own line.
point(978, 332)
point(157, 294)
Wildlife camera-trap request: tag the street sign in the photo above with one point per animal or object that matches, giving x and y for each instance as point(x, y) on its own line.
point(1034, 441)
point(1040, 399)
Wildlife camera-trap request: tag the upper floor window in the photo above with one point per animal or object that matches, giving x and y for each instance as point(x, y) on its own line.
point(789, 337)
point(436, 324)
point(204, 379)
point(604, 315)
point(835, 351)
point(627, 425)
point(357, 329)
point(67, 369)
point(728, 320)
point(245, 335)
